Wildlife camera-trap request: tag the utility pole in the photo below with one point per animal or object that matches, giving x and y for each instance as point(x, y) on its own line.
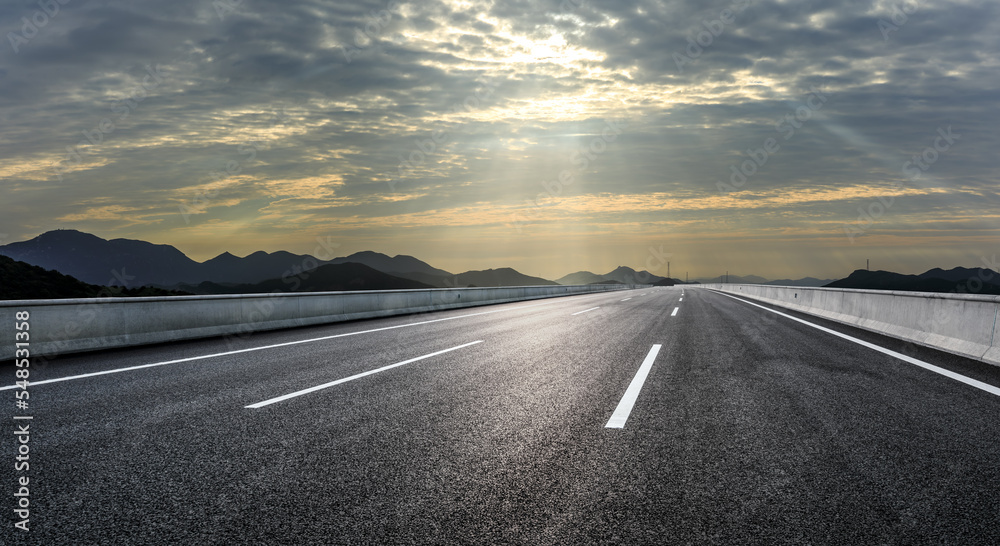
point(668, 270)
point(868, 265)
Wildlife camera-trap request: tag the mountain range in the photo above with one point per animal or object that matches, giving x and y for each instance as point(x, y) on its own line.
point(624, 275)
point(806, 281)
point(733, 279)
point(503, 276)
point(128, 262)
point(334, 277)
point(959, 280)
point(93, 262)
point(21, 281)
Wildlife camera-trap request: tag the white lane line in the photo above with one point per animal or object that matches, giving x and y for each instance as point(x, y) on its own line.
point(585, 311)
point(682, 299)
point(925, 365)
point(626, 299)
point(353, 377)
point(286, 344)
point(624, 408)
point(674, 314)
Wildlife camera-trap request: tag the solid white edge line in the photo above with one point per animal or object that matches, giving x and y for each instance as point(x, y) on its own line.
point(624, 408)
point(925, 365)
point(251, 349)
point(353, 377)
point(585, 311)
point(674, 314)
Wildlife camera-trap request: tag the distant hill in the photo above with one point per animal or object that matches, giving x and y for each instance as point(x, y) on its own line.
point(252, 268)
point(22, 281)
point(961, 274)
point(504, 276)
point(581, 277)
point(430, 279)
point(755, 279)
point(394, 266)
point(807, 281)
point(959, 280)
point(622, 275)
point(325, 278)
point(734, 279)
point(97, 261)
point(128, 262)
point(491, 277)
point(627, 275)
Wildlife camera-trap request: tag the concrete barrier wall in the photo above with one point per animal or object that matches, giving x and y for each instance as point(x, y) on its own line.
point(963, 324)
point(77, 325)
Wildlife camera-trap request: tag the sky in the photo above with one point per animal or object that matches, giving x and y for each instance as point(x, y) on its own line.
point(778, 138)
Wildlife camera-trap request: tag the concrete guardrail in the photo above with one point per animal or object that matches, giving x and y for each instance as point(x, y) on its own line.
point(962, 324)
point(78, 325)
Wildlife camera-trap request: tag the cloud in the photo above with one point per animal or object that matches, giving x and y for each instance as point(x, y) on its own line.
point(372, 114)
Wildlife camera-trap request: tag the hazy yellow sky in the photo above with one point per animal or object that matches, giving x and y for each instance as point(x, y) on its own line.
point(781, 139)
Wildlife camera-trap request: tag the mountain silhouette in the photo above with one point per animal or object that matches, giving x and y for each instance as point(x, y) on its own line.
point(503, 276)
point(804, 282)
point(22, 281)
point(627, 275)
point(128, 262)
point(396, 265)
point(962, 274)
point(325, 278)
point(958, 280)
point(582, 277)
point(97, 261)
point(255, 267)
point(733, 279)
point(622, 274)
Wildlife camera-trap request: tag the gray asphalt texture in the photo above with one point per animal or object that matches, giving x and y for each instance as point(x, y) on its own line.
point(750, 429)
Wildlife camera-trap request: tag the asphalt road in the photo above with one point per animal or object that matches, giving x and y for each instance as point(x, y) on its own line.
point(749, 428)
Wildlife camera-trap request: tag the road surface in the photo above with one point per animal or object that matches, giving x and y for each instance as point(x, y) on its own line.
point(632, 417)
